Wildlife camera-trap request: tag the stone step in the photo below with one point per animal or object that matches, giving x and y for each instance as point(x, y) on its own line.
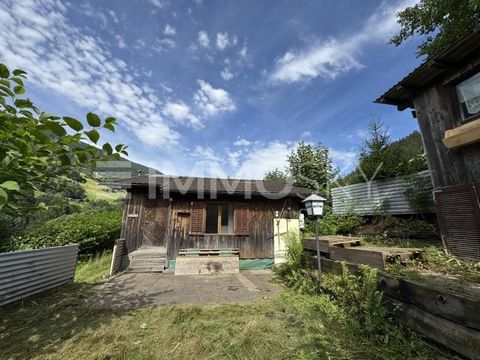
point(147, 257)
point(154, 262)
point(145, 269)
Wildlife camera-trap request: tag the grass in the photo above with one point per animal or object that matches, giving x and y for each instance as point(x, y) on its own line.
point(93, 268)
point(61, 325)
point(95, 191)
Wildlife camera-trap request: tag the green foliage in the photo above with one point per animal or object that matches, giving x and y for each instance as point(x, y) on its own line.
point(276, 175)
point(93, 230)
point(440, 22)
point(311, 167)
point(68, 188)
point(103, 205)
point(381, 158)
point(419, 193)
point(358, 295)
point(435, 260)
point(33, 142)
point(297, 272)
point(294, 251)
point(333, 224)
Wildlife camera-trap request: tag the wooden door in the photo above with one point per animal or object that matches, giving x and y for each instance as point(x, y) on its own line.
point(155, 223)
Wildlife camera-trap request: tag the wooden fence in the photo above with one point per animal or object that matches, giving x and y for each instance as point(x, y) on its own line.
point(24, 273)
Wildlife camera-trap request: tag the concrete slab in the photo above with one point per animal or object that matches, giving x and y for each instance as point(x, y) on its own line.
point(135, 290)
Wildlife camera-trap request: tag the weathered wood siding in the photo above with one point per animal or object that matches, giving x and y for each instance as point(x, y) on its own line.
point(437, 111)
point(172, 221)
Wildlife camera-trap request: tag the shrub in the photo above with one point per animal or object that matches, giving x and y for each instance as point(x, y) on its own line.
point(358, 295)
point(94, 231)
point(333, 224)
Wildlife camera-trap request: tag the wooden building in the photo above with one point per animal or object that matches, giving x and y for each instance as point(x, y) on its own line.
point(444, 93)
point(172, 213)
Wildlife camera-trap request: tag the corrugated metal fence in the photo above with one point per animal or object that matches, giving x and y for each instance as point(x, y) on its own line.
point(379, 196)
point(24, 273)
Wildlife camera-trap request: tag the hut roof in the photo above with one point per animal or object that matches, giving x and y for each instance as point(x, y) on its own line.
point(447, 61)
point(192, 185)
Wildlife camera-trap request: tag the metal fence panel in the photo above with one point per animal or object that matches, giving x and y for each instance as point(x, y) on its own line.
point(378, 196)
point(27, 272)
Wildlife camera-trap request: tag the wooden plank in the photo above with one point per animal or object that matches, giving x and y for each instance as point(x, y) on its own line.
point(327, 241)
point(454, 336)
point(465, 134)
point(359, 256)
point(453, 306)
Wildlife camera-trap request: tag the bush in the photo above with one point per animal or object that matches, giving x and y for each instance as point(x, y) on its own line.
point(333, 224)
point(95, 231)
point(359, 296)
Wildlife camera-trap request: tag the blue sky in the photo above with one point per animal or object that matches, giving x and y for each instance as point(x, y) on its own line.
point(214, 88)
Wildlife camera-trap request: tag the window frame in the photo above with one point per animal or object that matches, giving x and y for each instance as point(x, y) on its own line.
point(218, 205)
point(464, 78)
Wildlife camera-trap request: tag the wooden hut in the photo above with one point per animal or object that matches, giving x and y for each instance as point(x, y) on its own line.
point(444, 93)
point(165, 214)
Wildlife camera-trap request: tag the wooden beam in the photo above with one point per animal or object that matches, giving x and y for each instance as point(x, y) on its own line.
point(466, 134)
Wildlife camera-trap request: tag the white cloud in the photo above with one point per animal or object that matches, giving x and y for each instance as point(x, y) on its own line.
point(61, 59)
point(161, 45)
point(264, 158)
point(243, 52)
point(333, 57)
point(226, 74)
point(120, 41)
point(242, 142)
point(203, 39)
point(344, 160)
point(181, 113)
point(158, 3)
point(208, 162)
point(156, 132)
point(169, 30)
point(212, 101)
point(224, 40)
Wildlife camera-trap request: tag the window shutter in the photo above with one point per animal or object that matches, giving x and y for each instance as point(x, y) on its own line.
point(197, 219)
point(241, 219)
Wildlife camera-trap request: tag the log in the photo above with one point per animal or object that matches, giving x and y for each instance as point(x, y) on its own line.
point(359, 256)
point(453, 336)
point(456, 307)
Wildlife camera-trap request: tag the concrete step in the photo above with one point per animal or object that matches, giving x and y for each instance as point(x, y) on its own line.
point(153, 262)
point(145, 269)
point(147, 258)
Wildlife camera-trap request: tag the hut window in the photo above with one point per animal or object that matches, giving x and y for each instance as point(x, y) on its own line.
point(219, 219)
point(469, 97)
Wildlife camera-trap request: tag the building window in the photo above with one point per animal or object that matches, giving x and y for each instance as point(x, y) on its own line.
point(468, 93)
point(219, 219)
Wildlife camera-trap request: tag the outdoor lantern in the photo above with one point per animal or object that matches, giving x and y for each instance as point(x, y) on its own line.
point(314, 205)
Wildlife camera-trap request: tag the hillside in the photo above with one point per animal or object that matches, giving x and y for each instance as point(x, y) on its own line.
point(120, 169)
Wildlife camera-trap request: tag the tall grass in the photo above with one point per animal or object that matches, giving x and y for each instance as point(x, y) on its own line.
point(93, 268)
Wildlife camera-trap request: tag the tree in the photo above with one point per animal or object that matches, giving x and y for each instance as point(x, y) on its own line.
point(311, 167)
point(276, 175)
point(441, 22)
point(33, 142)
point(376, 160)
